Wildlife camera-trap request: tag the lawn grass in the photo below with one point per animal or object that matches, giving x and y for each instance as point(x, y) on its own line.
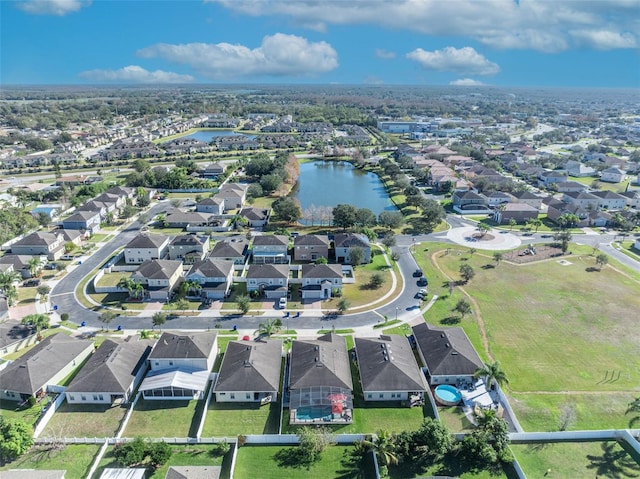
point(402, 330)
point(27, 295)
point(112, 279)
point(334, 463)
point(160, 418)
point(183, 455)
point(10, 411)
point(76, 459)
point(454, 419)
point(85, 420)
point(232, 419)
point(584, 459)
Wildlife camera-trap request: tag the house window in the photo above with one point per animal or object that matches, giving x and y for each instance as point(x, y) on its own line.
point(157, 363)
point(95, 397)
point(170, 363)
point(369, 396)
point(381, 395)
point(247, 396)
point(232, 395)
point(83, 397)
point(101, 397)
point(72, 397)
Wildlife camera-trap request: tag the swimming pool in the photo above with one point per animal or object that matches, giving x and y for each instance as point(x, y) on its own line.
point(448, 395)
point(309, 413)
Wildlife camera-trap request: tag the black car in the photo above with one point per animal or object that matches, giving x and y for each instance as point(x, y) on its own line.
point(31, 282)
point(423, 281)
point(417, 273)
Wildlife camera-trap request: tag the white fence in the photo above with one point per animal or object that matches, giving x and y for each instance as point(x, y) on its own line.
point(106, 289)
point(292, 439)
point(51, 408)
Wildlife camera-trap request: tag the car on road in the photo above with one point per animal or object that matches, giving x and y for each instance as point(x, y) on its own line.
point(282, 303)
point(423, 281)
point(422, 294)
point(417, 273)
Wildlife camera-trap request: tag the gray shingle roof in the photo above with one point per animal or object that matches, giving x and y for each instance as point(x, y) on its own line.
point(112, 367)
point(39, 238)
point(321, 271)
point(271, 240)
point(147, 241)
point(188, 240)
point(259, 271)
point(321, 362)
point(158, 268)
point(447, 351)
point(349, 240)
point(177, 346)
point(311, 240)
point(229, 249)
point(211, 268)
point(251, 366)
point(388, 364)
point(36, 367)
point(257, 214)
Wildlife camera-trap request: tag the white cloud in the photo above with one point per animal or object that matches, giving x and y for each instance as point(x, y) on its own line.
point(605, 39)
point(384, 54)
point(135, 74)
point(451, 59)
point(278, 55)
point(51, 7)
point(466, 82)
point(506, 24)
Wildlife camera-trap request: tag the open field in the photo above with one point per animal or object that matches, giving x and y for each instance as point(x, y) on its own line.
point(585, 459)
point(158, 418)
point(334, 463)
point(232, 419)
point(85, 420)
point(76, 459)
point(544, 317)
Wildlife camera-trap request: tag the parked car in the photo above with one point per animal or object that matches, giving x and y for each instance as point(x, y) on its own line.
point(417, 273)
point(423, 281)
point(31, 282)
point(422, 294)
point(50, 266)
point(282, 303)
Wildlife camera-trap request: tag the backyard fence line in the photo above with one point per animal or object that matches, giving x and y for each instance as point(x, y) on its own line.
point(234, 458)
point(293, 439)
point(573, 436)
point(98, 458)
point(505, 404)
point(127, 416)
point(44, 419)
point(206, 407)
point(376, 466)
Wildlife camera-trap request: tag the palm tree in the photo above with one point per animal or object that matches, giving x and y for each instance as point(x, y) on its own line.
point(8, 278)
point(135, 288)
point(490, 373)
point(159, 318)
point(482, 228)
point(191, 288)
point(384, 446)
point(11, 294)
point(536, 222)
point(634, 408)
point(35, 266)
point(38, 321)
point(272, 326)
point(497, 257)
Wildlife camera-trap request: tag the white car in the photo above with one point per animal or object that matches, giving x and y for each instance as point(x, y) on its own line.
point(282, 303)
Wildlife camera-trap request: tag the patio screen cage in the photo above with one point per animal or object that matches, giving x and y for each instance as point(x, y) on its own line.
point(335, 397)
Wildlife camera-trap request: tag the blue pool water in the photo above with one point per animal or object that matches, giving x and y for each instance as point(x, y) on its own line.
point(312, 412)
point(448, 394)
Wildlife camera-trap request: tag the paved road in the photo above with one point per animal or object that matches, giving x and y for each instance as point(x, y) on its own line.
point(404, 306)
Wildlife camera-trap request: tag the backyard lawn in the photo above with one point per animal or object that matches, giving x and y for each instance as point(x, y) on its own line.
point(112, 279)
point(9, 410)
point(183, 455)
point(171, 418)
point(232, 419)
point(75, 459)
point(334, 463)
point(545, 317)
point(584, 459)
point(85, 420)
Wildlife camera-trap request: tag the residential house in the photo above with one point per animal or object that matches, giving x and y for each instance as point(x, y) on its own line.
point(464, 198)
point(235, 249)
point(388, 369)
point(233, 194)
point(51, 211)
point(180, 366)
point(578, 169)
point(610, 200)
point(271, 280)
point(497, 198)
point(250, 372)
point(528, 198)
point(45, 365)
point(146, 247)
point(613, 175)
point(212, 205)
point(310, 247)
point(633, 198)
point(636, 245)
point(84, 221)
point(320, 384)
point(16, 262)
point(570, 186)
point(548, 177)
point(270, 249)
point(556, 208)
point(182, 219)
point(447, 353)
point(124, 192)
point(212, 171)
point(111, 374)
point(189, 248)
point(73, 180)
point(214, 275)
point(14, 335)
point(160, 276)
point(256, 217)
point(320, 281)
point(582, 199)
point(344, 243)
point(520, 212)
point(40, 243)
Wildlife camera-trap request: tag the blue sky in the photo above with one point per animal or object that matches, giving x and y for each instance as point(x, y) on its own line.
point(568, 43)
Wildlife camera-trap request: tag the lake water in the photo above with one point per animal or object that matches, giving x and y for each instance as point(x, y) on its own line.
point(330, 183)
point(208, 135)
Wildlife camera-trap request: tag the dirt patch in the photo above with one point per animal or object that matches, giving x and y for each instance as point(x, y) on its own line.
point(483, 237)
point(523, 255)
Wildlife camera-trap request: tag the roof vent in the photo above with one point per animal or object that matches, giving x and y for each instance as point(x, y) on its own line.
point(454, 353)
point(442, 335)
point(447, 345)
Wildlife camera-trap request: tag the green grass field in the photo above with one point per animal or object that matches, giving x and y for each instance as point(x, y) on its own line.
point(263, 462)
point(586, 459)
point(75, 459)
point(232, 419)
point(157, 418)
point(88, 420)
point(559, 332)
